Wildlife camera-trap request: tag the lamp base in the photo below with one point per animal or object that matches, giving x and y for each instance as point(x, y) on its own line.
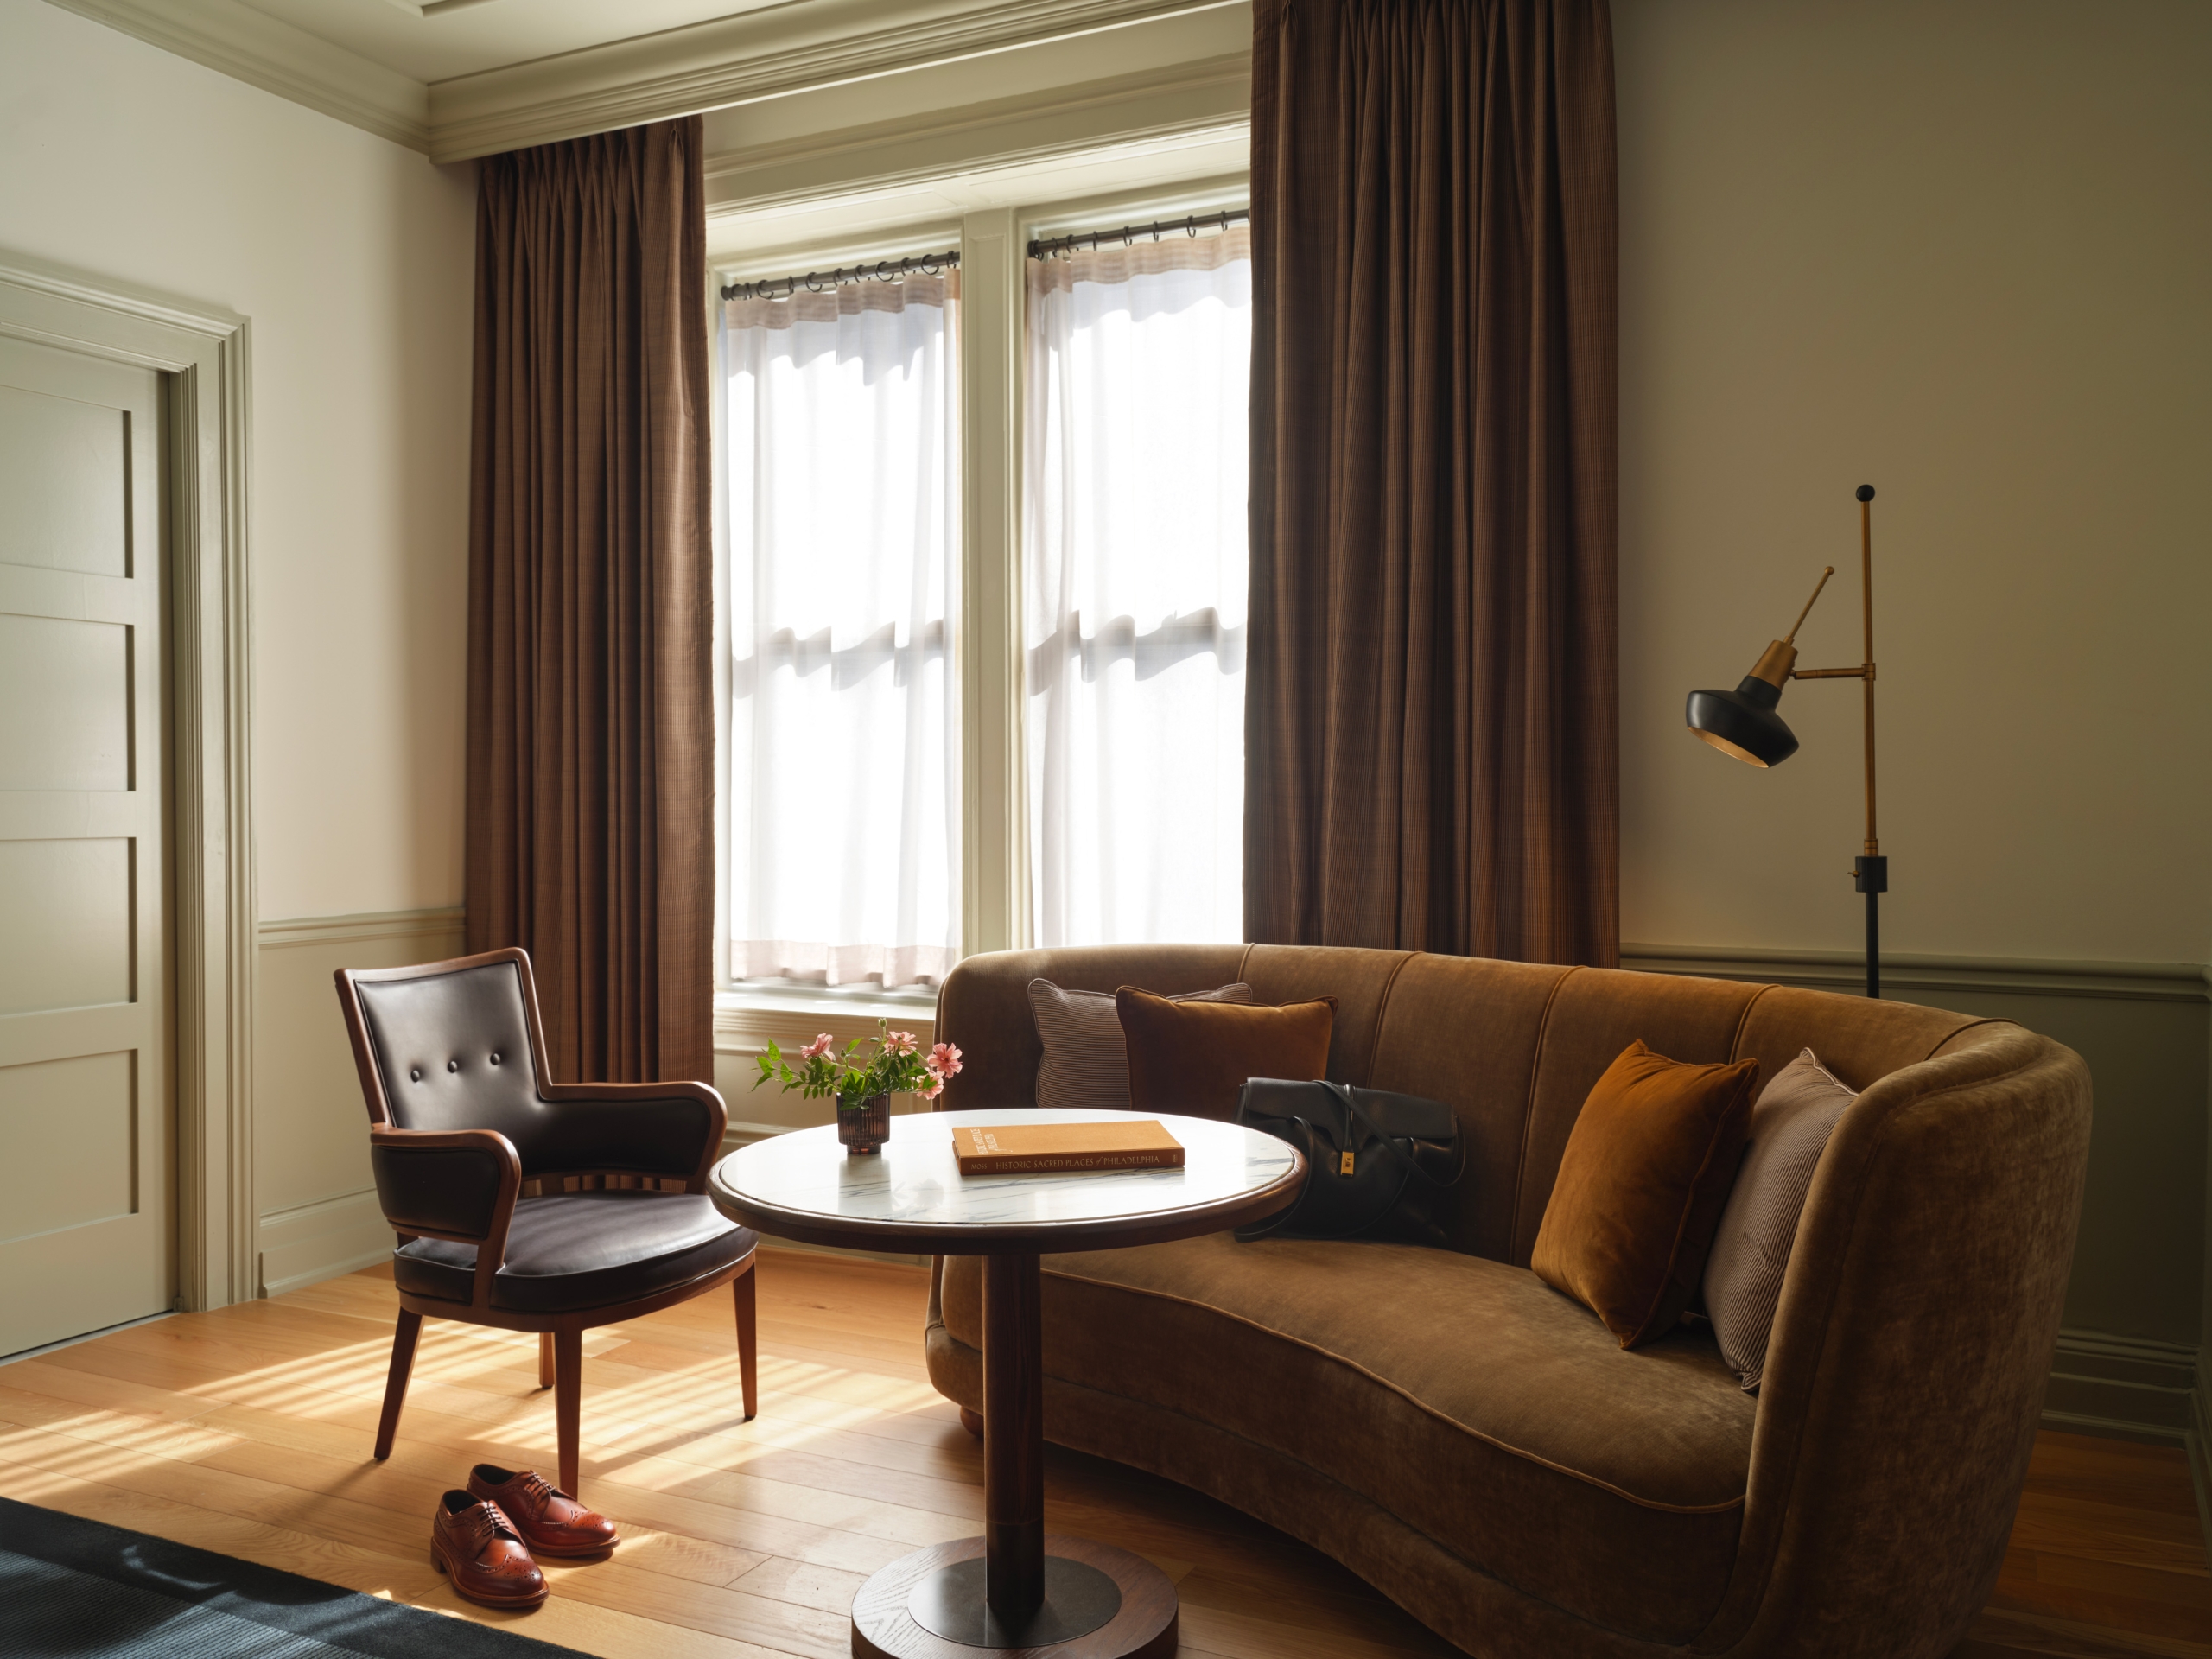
point(1871, 875)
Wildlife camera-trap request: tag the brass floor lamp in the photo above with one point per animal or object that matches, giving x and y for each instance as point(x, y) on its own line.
point(1743, 723)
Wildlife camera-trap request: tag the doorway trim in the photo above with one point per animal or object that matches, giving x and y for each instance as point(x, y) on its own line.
point(203, 351)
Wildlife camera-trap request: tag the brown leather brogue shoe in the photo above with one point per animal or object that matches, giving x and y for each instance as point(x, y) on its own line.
point(480, 1547)
point(550, 1521)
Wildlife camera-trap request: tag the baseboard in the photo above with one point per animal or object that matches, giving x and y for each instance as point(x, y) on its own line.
point(2200, 1445)
point(2120, 1386)
point(313, 1241)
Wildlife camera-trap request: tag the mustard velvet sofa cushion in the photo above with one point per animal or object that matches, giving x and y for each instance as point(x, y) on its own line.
point(1641, 1187)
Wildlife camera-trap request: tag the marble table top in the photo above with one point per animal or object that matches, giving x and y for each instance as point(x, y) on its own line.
point(911, 1196)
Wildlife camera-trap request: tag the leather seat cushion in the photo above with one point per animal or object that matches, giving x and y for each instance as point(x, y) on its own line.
point(576, 1250)
point(1463, 1395)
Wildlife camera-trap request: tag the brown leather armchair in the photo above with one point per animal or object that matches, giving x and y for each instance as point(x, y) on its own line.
point(526, 1205)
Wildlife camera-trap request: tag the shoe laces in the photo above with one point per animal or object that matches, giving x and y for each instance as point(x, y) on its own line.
point(537, 1488)
point(491, 1521)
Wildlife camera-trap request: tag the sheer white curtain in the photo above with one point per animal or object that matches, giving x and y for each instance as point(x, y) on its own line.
point(1134, 579)
point(844, 547)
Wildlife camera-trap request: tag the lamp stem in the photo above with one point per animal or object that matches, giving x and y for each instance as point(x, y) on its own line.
point(1871, 868)
point(1866, 605)
point(1874, 943)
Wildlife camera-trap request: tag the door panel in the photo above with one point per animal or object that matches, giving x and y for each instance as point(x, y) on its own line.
point(87, 1131)
point(66, 687)
point(80, 520)
point(76, 1121)
point(69, 924)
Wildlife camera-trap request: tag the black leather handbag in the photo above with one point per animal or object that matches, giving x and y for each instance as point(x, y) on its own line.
point(1379, 1165)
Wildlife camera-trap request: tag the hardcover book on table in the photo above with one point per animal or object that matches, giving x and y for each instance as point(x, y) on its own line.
point(1059, 1149)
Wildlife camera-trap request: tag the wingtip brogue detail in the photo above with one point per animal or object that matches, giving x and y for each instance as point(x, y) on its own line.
point(475, 1542)
point(551, 1521)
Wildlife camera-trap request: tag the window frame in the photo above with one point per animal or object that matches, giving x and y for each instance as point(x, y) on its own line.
point(996, 888)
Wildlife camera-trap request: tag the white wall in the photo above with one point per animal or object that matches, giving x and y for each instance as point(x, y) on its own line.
point(353, 258)
point(1962, 253)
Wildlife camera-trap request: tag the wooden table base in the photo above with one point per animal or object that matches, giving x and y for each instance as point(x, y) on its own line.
point(1100, 1603)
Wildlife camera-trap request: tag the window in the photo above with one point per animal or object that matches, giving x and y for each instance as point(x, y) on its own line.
point(1134, 589)
point(1100, 676)
point(843, 470)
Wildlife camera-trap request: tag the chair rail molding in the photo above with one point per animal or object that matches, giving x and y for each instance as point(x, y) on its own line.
point(296, 931)
point(1845, 970)
point(204, 351)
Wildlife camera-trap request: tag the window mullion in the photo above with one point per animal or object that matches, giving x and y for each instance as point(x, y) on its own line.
point(994, 889)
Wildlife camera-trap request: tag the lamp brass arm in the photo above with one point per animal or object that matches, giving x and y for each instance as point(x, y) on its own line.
point(1864, 671)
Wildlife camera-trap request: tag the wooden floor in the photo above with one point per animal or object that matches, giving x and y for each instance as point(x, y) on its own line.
point(247, 1431)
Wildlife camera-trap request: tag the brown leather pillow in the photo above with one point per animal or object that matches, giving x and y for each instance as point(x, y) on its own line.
point(1641, 1188)
point(1195, 1057)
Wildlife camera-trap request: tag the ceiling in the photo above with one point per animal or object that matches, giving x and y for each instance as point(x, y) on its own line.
point(441, 40)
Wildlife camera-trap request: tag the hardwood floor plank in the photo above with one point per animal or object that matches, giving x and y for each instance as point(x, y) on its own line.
point(108, 1393)
point(248, 1431)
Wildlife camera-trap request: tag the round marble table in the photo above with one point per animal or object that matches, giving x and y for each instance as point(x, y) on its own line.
point(1013, 1588)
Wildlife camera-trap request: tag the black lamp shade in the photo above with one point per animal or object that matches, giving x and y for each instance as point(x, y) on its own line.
point(1743, 723)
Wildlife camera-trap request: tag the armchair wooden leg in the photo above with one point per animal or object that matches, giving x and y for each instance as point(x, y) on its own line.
point(395, 1385)
point(568, 1401)
point(748, 1343)
point(545, 1359)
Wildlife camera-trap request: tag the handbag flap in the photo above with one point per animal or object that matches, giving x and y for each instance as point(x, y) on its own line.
point(1409, 1116)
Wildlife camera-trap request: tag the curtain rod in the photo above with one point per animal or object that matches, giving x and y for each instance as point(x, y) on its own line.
point(821, 282)
point(1128, 234)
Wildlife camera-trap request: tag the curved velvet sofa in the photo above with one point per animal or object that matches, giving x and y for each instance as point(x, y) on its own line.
point(1477, 1446)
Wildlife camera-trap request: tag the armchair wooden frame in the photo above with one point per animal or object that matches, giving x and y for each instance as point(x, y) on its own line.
point(560, 1355)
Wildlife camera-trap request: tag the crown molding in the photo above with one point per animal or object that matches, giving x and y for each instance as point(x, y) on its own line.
point(1206, 97)
point(263, 52)
point(758, 54)
point(780, 49)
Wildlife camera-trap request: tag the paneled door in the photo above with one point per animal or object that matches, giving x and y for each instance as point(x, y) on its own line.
point(87, 1235)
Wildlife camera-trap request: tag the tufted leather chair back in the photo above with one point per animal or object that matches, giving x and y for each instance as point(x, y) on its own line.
point(454, 1048)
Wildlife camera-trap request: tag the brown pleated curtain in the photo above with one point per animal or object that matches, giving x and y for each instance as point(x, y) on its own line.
point(1431, 721)
point(590, 600)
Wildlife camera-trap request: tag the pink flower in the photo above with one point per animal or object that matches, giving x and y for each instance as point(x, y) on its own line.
point(935, 1088)
point(944, 1060)
point(818, 1048)
point(900, 1042)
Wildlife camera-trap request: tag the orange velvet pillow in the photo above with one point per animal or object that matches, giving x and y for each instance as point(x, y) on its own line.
point(1195, 1057)
point(1641, 1188)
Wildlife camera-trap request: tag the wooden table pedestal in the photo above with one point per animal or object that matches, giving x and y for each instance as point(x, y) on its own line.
point(1016, 1591)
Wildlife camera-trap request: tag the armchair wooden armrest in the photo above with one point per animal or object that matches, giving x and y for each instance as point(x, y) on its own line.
point(455, 1183)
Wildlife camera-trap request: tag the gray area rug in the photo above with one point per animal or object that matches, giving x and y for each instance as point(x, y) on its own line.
point(77, 1589)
